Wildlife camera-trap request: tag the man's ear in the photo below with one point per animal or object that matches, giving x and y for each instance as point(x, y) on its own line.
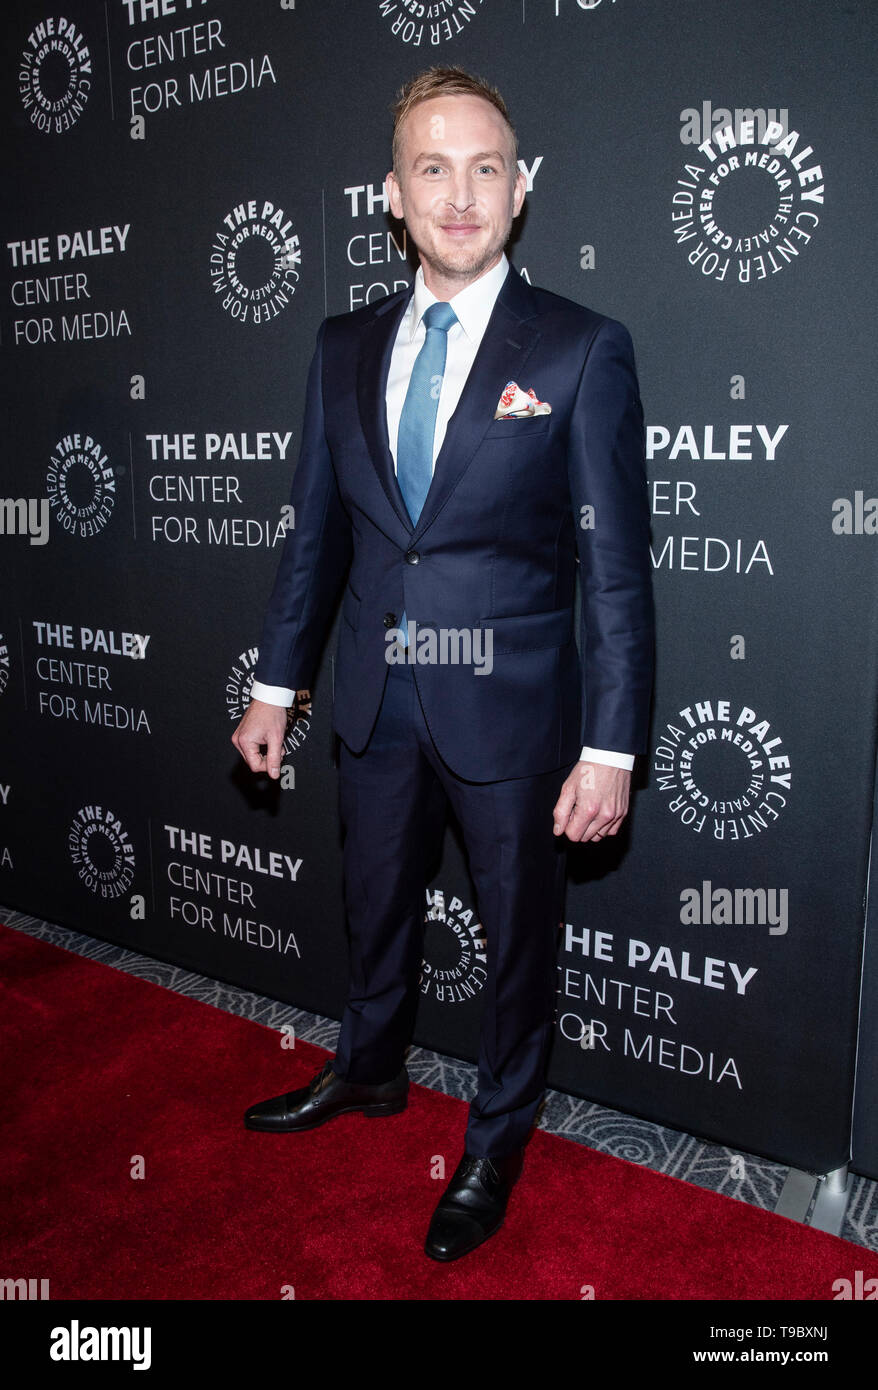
point(394, 194)
point(518, 193)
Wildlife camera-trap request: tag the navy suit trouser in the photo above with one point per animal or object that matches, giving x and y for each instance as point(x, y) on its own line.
point(393, 801)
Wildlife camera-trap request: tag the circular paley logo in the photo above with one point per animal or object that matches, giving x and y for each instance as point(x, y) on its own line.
point(54, 74)
point(454, 965)
point(101, 851)
point(748, 201)
point(255, 262)
point(238, 687)
point(424, 24)
point(723, 769)
point(80, 485)
point(4, 663)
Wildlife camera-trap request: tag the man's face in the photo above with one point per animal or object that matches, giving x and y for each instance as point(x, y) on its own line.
point(458, 189)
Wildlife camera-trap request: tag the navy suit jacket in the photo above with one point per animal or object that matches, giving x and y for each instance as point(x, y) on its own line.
point(495, 547)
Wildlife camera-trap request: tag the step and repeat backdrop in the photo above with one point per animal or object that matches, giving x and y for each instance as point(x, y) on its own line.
point(864, 1142)
point(191, 186)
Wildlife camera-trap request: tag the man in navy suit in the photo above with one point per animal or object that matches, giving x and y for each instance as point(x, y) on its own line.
point(468, 444)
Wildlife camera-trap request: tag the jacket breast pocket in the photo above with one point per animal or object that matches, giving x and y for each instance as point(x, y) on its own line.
point(518, 431)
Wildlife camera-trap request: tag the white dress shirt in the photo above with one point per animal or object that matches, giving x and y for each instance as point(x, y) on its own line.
point(473, 307)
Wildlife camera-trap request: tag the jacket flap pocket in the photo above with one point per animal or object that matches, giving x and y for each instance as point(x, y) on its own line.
point(528, 632)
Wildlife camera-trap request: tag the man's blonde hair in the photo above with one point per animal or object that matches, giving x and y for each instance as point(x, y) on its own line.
point(445, 82)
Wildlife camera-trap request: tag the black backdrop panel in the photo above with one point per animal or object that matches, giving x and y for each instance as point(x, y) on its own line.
point(192, 186)
point(865, 1136)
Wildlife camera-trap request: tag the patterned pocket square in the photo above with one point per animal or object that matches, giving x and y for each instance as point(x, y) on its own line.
point(515, 404)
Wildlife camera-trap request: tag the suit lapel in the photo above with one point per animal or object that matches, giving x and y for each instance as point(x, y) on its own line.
point(376, 347)
point(508, 342)
point(503, 352)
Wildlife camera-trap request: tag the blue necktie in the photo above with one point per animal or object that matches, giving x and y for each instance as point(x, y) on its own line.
point(417, 423)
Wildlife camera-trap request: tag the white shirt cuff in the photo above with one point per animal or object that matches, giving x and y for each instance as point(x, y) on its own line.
point(601, 755)
point(272, 694)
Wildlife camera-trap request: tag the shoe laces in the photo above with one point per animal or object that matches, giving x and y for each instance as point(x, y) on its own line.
point(323, 1077)
point(471, 1164)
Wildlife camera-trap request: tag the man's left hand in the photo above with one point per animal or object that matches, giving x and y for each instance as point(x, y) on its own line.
point(593, 802)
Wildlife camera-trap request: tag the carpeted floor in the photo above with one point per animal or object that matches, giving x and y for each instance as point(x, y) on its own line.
point(746, 1177)
point(129, 1175)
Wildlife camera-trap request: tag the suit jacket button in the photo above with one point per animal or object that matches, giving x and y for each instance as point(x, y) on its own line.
point(412, 557)
point(390, 620)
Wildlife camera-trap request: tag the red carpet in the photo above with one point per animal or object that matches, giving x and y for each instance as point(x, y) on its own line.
point(100, 1067)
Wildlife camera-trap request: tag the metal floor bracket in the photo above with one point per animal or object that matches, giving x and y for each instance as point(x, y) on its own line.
point(816, 1199)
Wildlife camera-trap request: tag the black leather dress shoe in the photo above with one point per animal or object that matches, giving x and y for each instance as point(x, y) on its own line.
point(326, 1096)
point(473, 1205)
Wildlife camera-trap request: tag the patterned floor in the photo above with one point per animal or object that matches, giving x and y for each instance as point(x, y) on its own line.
point(742, 1176)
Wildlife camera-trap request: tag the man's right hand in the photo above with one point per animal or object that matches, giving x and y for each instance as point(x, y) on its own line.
point(262, 724)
